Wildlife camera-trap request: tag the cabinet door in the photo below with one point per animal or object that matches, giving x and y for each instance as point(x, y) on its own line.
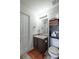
point(35, 42)
point(42, 45)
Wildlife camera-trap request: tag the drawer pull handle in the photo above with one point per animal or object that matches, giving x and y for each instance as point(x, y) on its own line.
point(45, 41)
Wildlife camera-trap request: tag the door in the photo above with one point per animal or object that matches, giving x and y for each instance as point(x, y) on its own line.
point(23, 33)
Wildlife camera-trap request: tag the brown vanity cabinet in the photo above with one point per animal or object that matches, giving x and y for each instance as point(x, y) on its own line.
point(40, 44)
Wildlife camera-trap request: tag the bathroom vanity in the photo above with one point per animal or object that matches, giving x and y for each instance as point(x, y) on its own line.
point(40, 42)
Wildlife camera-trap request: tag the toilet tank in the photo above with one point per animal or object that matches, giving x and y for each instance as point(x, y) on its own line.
point(54, 42)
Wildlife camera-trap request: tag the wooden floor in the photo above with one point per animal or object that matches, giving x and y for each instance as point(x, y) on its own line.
point(35, 54)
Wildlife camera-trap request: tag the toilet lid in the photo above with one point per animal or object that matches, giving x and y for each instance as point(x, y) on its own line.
point(53, 50)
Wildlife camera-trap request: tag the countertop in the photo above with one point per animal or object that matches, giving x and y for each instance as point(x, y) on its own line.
point(41, 36)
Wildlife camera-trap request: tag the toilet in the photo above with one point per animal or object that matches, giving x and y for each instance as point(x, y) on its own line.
point(53, 51)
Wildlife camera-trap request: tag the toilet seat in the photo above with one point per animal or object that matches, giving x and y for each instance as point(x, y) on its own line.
point(53, 52)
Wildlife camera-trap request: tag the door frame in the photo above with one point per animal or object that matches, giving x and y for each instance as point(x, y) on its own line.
point(28, 25)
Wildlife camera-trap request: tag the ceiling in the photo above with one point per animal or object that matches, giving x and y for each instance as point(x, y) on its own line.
point(36, 5)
